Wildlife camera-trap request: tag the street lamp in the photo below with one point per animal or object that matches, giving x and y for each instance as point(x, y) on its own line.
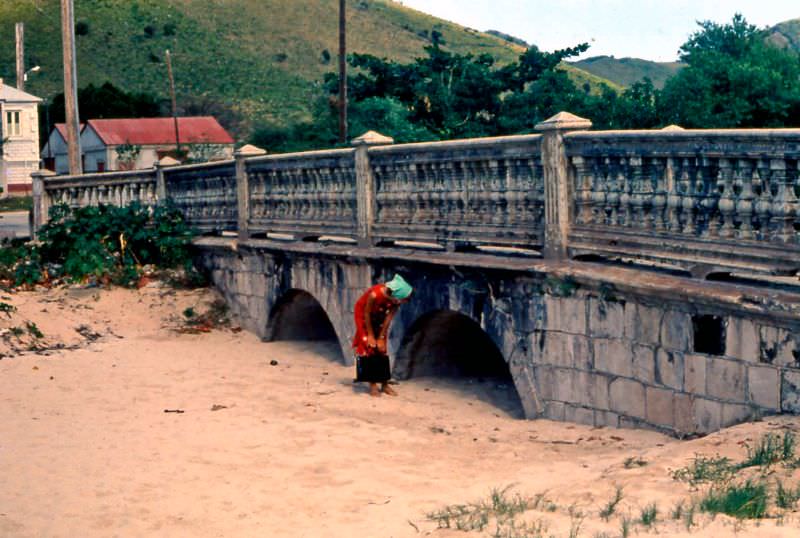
point(34, 69)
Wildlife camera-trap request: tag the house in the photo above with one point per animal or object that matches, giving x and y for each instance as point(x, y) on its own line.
point(54, 152)
point(136, 143)
point(126, 144)
point(20, 140)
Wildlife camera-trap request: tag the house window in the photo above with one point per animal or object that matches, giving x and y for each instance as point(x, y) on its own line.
point(13, 126)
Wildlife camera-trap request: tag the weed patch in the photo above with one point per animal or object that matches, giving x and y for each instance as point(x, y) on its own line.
point(743, 501)
point(705, 469)
point(611, 506)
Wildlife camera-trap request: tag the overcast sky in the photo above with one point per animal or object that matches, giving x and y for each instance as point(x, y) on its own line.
point(650, 29)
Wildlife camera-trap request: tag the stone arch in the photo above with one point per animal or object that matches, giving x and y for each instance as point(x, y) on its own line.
point(297, 315)
point(448, 344)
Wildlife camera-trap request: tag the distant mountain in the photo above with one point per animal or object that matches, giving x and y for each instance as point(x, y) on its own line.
point(786, 34)
point(626, 71)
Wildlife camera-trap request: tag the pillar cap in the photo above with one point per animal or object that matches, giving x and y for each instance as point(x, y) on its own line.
point(372, 138)
point(249, 150)
point(168, 161)
point(43, 172)
point(564, 121)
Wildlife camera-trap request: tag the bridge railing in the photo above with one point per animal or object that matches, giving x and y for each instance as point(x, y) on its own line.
point(303, 195)
point(702, 200)
point(205, 194)
point(460, 193)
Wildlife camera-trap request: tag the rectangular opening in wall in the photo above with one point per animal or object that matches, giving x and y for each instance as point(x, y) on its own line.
point(709, 334)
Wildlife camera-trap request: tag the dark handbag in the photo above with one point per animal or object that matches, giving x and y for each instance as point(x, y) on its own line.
point(372, 369)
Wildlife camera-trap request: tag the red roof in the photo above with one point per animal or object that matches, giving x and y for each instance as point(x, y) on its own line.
point(154, 131)
point(62, 129)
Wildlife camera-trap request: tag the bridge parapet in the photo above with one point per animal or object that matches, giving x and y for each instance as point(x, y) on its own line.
point(701, 199)
point(705, 201)
point(465, 192)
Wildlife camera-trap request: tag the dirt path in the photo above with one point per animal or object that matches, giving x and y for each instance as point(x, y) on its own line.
point(293, 448)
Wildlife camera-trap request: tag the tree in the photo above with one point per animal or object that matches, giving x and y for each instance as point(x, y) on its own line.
point(733, 78)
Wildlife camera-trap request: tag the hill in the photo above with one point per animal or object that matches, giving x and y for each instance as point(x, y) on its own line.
point(262, 59)
point(786, 34)
point(626, 71)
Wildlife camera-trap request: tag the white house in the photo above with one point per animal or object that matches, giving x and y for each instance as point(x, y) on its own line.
point(125, 144)
point(20, 137)
point(136, 143)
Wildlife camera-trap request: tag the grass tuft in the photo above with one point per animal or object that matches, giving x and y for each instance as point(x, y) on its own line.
point(770, 449)
point(786, 498)
point(743, 501)
point(611, 506)
point(649, 515)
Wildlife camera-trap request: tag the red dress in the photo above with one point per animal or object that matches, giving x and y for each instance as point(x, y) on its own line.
point(382, 306)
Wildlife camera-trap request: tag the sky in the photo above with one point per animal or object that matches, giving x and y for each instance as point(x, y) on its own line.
point(649, 29)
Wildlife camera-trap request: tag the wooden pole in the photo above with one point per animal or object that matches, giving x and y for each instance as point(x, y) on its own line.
point(20, 27)
point(71, 87)
point(174, 105)
point(342, 71)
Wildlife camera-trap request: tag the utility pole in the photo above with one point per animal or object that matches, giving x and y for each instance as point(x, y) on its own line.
point(71, 87)
point(20, 56)
point(174, 105)
point(342, 72)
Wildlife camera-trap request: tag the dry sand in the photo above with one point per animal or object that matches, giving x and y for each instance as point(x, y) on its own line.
point(293, 449)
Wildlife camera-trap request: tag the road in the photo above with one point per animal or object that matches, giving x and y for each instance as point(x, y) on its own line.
point(14, 224)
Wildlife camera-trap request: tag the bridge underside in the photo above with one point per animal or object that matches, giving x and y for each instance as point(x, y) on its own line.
point(581, 342)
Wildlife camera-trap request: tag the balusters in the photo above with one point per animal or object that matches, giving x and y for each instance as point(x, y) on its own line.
point(744, 206)
point(785, 208)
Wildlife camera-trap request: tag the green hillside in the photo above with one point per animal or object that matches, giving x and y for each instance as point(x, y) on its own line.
point(786, 34)
point(261, 56)
point(626, 71)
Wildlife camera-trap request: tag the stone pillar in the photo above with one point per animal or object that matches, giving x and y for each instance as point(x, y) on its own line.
point(243, 187)
point(365, 185)
point(558, 188)
point(161, 182)
point(41, 202)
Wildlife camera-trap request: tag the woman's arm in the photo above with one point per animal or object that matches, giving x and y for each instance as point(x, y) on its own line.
point(371, 342)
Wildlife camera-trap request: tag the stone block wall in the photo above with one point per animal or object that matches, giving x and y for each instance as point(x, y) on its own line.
point(632, 364)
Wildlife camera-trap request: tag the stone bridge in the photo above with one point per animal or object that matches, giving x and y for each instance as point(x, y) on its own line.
point(634, 279)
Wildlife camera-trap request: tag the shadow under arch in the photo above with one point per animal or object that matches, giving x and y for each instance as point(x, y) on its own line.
point(298, 316)
point(447, 345)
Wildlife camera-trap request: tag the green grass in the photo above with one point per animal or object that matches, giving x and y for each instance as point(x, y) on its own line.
point(16, 203)
point(611, 506)
point(649, 515)
point(743, 501)
point(786, 498)
point(501, 506)
point(770, 449)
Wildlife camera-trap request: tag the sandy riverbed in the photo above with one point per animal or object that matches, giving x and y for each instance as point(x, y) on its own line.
point(293, 448)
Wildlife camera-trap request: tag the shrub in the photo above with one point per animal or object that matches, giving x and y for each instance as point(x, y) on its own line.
point(82, 28)
point(106, 244)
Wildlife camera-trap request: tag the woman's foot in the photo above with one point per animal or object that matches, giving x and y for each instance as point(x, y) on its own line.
point(373, 389)
point(388, 390)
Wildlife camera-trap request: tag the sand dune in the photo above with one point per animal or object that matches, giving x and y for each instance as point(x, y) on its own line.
point(293, 448)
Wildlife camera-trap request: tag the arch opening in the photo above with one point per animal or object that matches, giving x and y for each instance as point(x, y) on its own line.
point(448, 346)
point(299, 317)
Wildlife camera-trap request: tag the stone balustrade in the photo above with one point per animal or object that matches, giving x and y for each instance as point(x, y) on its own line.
point(205, 194)
point(466, 192)
point(705, 201)
point(304, 195)
point(700, 199)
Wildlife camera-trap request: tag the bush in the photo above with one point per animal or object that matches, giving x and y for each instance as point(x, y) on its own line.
point(744, 501)
point(82, 28)
point(101, 244)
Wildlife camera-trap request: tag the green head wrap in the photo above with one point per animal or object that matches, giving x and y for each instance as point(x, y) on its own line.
point(399, 287)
